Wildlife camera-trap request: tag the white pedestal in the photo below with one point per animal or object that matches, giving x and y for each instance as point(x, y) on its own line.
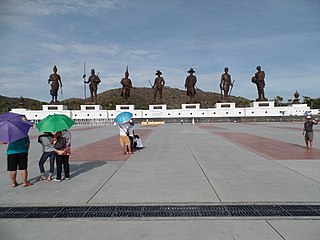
point(54, 107)
point(158, 107)
point(230, 105)
point(124, 107)
point(190, 106)
point(263, 104)
point(90, 107)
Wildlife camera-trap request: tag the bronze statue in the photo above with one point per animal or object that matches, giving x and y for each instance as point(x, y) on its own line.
point(93, 81)
point(225, 84)
point(55, 80)
point(126, 86)
point(258, 79)
point(190, 83)
point(158, 86)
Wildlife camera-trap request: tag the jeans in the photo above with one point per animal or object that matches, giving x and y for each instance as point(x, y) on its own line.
point(44, 158)
point(63, 160)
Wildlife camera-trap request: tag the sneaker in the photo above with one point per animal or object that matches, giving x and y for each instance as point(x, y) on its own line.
point(57, 180)
point(67, 178)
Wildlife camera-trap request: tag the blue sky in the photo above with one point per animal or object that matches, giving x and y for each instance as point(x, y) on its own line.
point(282, 36)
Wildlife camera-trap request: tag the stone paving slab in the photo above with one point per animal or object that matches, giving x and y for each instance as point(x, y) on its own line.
point(181, 164)
point(133, 230)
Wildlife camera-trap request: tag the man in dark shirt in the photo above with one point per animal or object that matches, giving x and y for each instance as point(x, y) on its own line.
point(308, 131)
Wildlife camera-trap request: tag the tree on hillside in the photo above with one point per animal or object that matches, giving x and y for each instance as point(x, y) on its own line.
point(278, 100)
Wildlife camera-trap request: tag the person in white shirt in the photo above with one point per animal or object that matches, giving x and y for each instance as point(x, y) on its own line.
point(131, 134)
point(137, 142)
point(124, 138)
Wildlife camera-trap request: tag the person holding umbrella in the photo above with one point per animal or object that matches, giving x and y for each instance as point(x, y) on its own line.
point(59, 123)
point(62, 155)
point(122, 119)
point(17, 158)
point(14, 130)
point(48, 151)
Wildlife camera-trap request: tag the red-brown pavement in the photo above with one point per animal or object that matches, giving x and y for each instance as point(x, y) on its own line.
point(107, 149)
point(271, 148)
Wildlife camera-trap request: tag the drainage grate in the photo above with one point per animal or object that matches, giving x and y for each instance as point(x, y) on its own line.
point(162, 211)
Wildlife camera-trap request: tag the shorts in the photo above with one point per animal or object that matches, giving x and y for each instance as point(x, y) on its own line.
point(309, 136)
point(17, 161)
point(124, 140)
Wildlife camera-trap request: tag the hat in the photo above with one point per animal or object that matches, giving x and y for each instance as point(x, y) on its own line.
point(191, 70)
point(158, 72)
point(308, 117)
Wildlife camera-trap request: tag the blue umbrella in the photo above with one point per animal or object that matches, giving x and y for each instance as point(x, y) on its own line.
point(13, 127)
point(123, 117)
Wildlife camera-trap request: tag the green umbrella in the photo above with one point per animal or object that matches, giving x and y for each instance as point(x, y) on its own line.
point(55, 123)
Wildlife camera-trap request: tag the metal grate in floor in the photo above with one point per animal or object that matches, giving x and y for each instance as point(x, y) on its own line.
point(161, 211)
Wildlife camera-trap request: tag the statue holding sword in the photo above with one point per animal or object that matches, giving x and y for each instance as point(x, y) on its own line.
point(226, 85)
point(55, 81)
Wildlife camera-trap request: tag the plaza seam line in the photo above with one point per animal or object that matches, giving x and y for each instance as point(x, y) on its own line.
point(105, 183)
point(275, 229)
point(274, 161)
point(204, 173)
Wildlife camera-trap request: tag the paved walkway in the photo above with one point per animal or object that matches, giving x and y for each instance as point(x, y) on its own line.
point(185, 165)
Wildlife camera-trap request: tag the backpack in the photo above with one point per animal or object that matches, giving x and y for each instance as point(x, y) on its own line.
point(60, 143)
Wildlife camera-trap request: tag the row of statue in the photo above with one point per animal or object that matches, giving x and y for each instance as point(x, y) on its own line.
point(226, 85)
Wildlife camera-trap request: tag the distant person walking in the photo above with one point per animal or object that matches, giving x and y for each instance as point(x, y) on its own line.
point(62, 155)
point(17, 158)
point(47, 152)
point(308, 131)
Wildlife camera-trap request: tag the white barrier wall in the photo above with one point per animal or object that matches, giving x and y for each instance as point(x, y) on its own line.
point(94, 113)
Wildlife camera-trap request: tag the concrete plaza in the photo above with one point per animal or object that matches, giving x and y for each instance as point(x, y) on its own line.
point(181, 164)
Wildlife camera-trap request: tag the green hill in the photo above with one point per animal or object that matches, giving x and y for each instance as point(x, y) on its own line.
point(140, 97)
point(143, 97)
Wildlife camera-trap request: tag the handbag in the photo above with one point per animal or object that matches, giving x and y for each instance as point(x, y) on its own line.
point(60, 143)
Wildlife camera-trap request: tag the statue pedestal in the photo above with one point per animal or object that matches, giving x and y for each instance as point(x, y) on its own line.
point(124, 107)
point(190, 106)
point(54, 107)
point(158, 107)
point(260, 104)
point(90, 107)
point(230, 105)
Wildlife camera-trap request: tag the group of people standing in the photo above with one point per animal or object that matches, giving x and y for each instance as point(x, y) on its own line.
point(17, 157)
point(61, 155)
point(129, 141)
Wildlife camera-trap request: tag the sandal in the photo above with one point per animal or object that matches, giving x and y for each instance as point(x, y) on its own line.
point(27, 184)
point(15, 184)
point(42, 178)
point(49, 178)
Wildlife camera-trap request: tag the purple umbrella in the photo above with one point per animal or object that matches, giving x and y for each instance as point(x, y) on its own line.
point(13, 127)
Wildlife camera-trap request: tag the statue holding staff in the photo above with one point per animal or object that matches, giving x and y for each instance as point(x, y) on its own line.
point(93, 81)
